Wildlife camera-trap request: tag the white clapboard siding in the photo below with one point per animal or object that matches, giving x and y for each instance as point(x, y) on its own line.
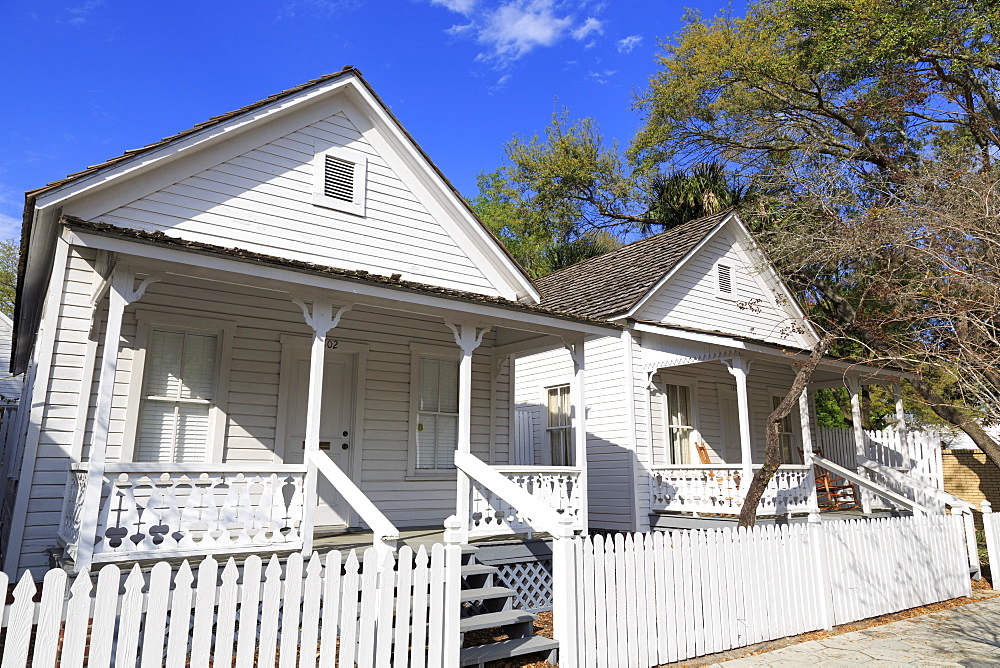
point(689, 297)
point(648, 599)
point(610, 485)
point(269, 617)
point(263, 197)
point(262, 317)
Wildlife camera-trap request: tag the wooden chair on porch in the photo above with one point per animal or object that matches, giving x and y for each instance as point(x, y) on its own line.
point(722, 483)
point(833, 492)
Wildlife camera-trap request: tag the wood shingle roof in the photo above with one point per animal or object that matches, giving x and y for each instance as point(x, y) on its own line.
point(611, 284)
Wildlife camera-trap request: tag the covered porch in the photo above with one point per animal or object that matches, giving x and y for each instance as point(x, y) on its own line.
point(263, 406)
point(707, 403)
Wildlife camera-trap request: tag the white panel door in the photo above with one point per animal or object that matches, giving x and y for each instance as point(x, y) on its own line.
point(336, 430)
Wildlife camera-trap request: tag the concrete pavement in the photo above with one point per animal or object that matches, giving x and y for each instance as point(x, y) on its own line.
point(964, 636)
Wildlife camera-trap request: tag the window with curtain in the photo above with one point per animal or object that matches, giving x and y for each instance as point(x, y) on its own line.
point(679, 424)
point(559, 429)
point(437, 413)
point(785, 434)
point(177, 398)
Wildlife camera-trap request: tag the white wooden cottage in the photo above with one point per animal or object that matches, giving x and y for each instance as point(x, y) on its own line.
point(281, 323)
point(677, 400)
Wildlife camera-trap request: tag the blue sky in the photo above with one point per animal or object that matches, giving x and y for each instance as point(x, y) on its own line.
point(85, 80)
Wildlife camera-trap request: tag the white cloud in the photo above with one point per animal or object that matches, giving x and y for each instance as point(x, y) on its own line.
point(514, 29)
point(461, 6)
point(510, 29)
point(602, 77)
point(591, 25)
point(627, 44)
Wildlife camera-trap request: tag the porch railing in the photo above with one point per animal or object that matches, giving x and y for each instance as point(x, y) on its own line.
point(718, 489)
point(151, 510)
point(555, 489)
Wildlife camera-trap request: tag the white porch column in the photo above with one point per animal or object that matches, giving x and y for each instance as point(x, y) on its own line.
point(121, 293)
point(322, 319)
point(740, 368)
point(805, 418)
point(854, 387)
point(579, 401)
point(901, 430)
point(468, 340)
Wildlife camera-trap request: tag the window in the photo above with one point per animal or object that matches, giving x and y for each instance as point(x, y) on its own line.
point(177, 398)
point(785, 434)
point(725, 281)
point(679, 425)
point(559, 429)
point(339, 180)
point(437, 413)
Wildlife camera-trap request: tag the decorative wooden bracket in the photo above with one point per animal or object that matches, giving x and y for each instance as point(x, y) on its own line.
point(466, 336)
point(321, 317)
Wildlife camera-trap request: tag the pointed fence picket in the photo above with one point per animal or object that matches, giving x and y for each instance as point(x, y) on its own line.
point(328, 612)
point(649, 599)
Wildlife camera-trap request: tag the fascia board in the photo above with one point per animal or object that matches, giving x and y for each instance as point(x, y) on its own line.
point(676, 268)
point(406, 300)
point(185, 145)
point(727, 342)
point(450, 208)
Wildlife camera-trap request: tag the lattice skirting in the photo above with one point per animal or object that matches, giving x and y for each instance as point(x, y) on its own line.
point(532, 580)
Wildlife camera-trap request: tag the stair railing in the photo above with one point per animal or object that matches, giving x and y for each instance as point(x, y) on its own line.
point(940, 498)
point(565, 604)
point(385, 533)
point(864, 482)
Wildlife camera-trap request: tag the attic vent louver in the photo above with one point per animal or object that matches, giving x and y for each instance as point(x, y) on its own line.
point(725, 276)
point(338, 181)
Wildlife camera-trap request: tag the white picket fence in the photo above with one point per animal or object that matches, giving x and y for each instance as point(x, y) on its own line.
point(991, 527)
point(327, 612)
point(646, 599)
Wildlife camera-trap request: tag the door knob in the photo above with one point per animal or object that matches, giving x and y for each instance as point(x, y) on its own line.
point(344, 446)
point(345, 433)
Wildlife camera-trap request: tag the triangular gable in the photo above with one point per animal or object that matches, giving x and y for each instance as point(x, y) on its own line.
point(248, 183)
point(759, 305)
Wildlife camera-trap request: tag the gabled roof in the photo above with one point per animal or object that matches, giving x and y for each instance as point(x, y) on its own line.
point(611, 284)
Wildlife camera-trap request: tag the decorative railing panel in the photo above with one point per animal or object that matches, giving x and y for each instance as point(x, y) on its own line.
point(554, 486)
point(159, 510)
point(717, 489)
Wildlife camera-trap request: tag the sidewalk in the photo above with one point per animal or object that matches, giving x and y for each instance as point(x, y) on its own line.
point(965, 636)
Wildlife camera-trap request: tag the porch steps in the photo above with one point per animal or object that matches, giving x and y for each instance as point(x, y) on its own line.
point(487, 610)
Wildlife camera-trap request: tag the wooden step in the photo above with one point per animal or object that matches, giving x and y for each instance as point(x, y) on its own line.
point(477, 569)
point(489, 620)
point(504, 649)
point(485, 594)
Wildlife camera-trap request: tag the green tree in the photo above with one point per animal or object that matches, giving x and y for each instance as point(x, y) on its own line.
point(874, 126)
point(10, 253)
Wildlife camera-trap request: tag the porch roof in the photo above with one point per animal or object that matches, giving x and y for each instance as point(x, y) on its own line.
point(354, 276)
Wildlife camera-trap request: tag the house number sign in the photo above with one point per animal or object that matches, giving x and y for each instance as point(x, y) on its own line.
point(331, 344)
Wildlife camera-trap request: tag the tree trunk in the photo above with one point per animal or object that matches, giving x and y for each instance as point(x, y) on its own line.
point(772, 447)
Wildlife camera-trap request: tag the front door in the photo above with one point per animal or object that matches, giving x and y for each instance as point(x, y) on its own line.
point(336, 430)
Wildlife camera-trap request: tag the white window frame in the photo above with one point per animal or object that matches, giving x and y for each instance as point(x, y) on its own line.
point(733, 280)
point(417, 352)
point(360, 160)
point(147, 320)
point(795, 435)
point(547, 430)
point(666, 453)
